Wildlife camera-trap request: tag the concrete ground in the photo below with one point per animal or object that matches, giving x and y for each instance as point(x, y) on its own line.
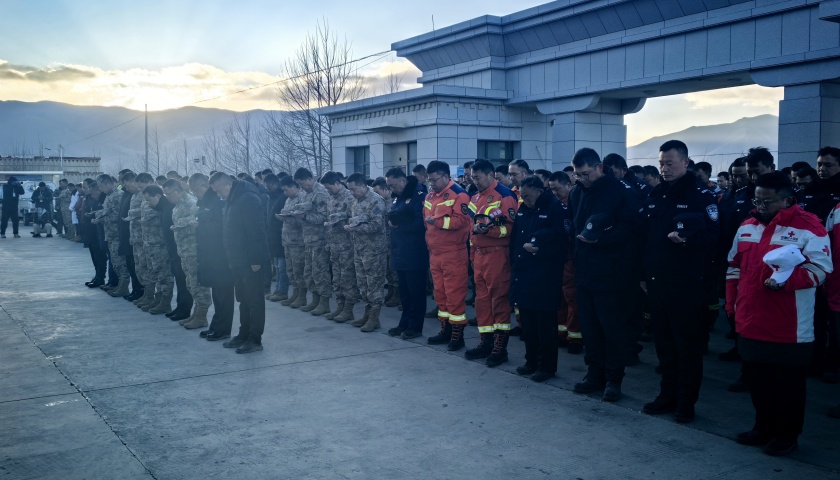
point(92, 387)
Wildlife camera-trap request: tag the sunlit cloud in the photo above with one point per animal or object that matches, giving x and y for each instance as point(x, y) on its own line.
point(748, 96)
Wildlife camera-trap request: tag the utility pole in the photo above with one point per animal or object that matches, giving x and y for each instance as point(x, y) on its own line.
point(147, 139)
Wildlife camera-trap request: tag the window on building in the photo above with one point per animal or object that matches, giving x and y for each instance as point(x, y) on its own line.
point(411, 161)
point(361, 160)
point(499, 153)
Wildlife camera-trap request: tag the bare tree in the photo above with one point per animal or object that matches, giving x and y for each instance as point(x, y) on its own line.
point(393, 82)
point(320, 75)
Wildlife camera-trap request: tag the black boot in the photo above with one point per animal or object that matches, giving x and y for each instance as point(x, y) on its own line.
point(456, 342)
point(443, 335)
point(499, 354)
point(485, 346)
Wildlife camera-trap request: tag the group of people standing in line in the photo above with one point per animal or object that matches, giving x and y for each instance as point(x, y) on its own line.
point(593, 258)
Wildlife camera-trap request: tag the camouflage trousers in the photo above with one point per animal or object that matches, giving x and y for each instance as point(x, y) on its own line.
point(156, 262)
point(200, 294)
point(67, 218)
point(344, 275)
point(370, 273)
point(295, 265)
point(317, 269)
point(140, 267)
point(117, 260)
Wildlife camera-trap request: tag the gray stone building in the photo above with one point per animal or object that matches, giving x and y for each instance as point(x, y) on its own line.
point(49, 169)
point(541, 83)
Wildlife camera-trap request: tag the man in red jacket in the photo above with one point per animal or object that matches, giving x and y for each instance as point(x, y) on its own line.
point(772, 299)
point(448, 223)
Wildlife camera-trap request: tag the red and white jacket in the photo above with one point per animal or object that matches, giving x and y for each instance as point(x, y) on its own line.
point(832, 283)
point(786, 315)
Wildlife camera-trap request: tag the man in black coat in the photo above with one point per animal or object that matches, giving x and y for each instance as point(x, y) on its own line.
point(605, 223)
point(538, 247)
point(682, 228)
point(213, 269)
point(12, 191)
point(244, 236)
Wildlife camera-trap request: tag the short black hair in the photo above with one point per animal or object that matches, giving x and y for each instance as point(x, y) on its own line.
point(271, 178)
point(358, 179)
point(829, 151)
point(105, 178)
point(395, 172)
point(419, 168)
point(586, 156)
point(63, 180)
point(738, 162)
point(706, 167)
point(503, 169)
point(532, 181)
point(144, 178)
point(173, 184)
point(160, 178)
point(380, 182)
point(468, 165)
point(806, 171)
point(569, 169)
point(680, 147)
point(303, 174)
point(636, 169)
point(787, 170)
point(436, 166)
point(759, 155)
point(153, 191)
point(221, 177)
point(127, 177)
point(484, 167)
point(519, 163)
point(542, 173)
point(777, 181)
point(173, 174)
point(725, 175)
point(267, 171)
point(615, 160)
point(287, 181)
point(560, 177)
point(330, 178)
point(651, 170)
point(198, 179)
point(799, 166)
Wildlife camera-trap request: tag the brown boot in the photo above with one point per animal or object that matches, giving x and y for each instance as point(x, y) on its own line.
point(199, 318)
point(148, 295)
point(338, 308)
point(190, 318)
point(121, 290)
point(364, 319)
point(316, 300)
point(291, 299)
point(373, 319)
point(152, 302)
point(301, 300)
point(346, 313)
point(164, 305)
point(394, 301)
point(322, 308)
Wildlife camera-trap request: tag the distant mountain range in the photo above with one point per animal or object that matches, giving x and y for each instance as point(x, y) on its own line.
point(28, 129)
point(716, 144)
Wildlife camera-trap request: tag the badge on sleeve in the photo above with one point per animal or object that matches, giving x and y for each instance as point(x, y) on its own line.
point(712, 210)
point(464, 209)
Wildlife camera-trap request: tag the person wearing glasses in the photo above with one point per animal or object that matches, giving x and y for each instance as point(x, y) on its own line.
point(448, 223)
point(682, 224)
point(606, 231)
point(778, 260)
point(518, 170)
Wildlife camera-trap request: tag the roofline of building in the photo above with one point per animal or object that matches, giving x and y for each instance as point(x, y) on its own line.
point(474, 94)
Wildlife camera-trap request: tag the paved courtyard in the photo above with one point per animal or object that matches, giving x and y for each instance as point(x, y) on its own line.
point(93, 388)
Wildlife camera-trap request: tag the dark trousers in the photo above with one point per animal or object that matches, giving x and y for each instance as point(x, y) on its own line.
point(249, 292)
point(223, 303)
point(412, 285)
point(679, 332)
point(826, 356)
point(4, 222)
point(539, 330)
point(604, 317)
point(778, 395)
point(129, 262)
point(100, 260)
point(184, 301)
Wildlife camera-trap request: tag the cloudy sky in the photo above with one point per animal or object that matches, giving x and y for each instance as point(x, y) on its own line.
point(172, 53)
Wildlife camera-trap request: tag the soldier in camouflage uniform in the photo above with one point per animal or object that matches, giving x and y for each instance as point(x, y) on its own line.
point(293, 243)
point(183, 225)
point(62, 204)
point(380, 187)
point(367, 226)
point(312, 211)
point(109, 217)
point(135, 237)
point(156, 258)
point(340, 248)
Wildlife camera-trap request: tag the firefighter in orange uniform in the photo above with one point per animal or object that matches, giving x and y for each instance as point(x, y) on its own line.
point(493, 209)
point(448, 225)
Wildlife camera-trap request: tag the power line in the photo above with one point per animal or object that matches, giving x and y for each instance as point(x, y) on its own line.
point(295, 77)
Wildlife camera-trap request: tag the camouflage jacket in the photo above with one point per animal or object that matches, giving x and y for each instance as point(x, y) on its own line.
point(62, 200)
point(339, 210)
point(314, 208)
point(109, 216)
point(135, 229)
point(367, 220)
point(182, 214)
point(292, 227)
point(150, 226)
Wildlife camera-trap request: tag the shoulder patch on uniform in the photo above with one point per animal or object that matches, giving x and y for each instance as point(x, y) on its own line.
point(464, 209)
point(712, 210)
point(512, 212)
